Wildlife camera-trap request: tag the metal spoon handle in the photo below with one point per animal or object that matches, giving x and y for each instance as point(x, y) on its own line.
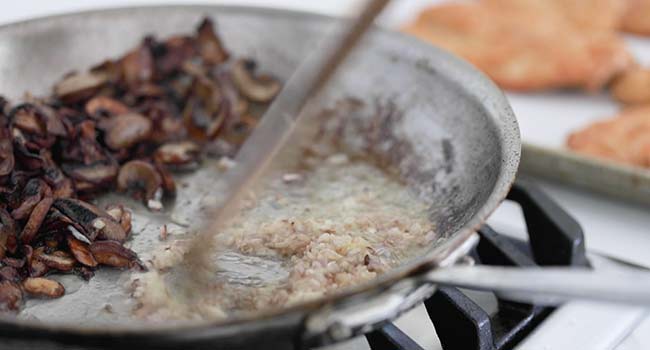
point(549, 285)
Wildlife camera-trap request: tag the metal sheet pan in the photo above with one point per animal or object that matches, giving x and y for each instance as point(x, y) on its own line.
point(598, 175)
point(547, 119)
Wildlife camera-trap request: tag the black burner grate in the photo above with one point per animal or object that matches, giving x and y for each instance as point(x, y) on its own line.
point(555, 238)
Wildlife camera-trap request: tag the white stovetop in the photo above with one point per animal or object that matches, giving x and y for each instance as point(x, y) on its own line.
point(612, 228)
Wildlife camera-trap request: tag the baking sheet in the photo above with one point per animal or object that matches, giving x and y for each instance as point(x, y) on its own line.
point(546, 119)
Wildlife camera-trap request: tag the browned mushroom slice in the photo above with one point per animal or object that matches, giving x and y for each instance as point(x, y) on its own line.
point(238, 106)
point(52, 174)
point(11, 297)
point(112, 253)
point(138, 65)
point(178, 153)
point(86, 189)
point(241, 107)
point(9, 273)
point(125, 222)
point(14, 262)
point(23, 155)
point(52, 242)
point(168, 184)
point(224, 113)
point(86, 160)
point(4, 105)
point(142, 92)
point(143, 181)
point(125, 130)
point(260, 88)
point(169, 128)
point(210, 46)
point(43, 287)
point(237, 132)
point(35, 220)
point(173, 52)
point(58, 260)
point(81, 251)
point(164, 116)
point(37, 268)
point(91, 150)
point(98, 173)
point(7, 160)
point(79, 86)
point(29, 119)
point(121, 215)
point(11, 192)
point(31, 195)
point(53, 123)
point(196, 119)
point(8, 230)
point(110, 68)
point(104, 106)
point(95, 222)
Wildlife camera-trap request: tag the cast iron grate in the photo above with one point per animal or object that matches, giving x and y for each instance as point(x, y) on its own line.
point(555, 238)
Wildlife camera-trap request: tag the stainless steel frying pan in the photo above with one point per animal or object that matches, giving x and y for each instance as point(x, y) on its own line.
point(462, 138)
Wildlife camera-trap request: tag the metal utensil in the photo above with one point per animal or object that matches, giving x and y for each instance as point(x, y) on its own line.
point(548, 285)
point(277, 126)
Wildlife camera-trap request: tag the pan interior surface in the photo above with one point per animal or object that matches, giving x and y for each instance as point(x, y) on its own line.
point(451, 135)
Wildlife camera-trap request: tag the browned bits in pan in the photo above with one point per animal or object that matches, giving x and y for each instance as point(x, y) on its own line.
point(124, 125)
point(163, 233)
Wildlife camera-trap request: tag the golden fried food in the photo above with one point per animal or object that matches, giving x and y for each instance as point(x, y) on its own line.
point(586, 14)
point(624, 138)
point(521, 49)
point(633, 86)
point(637, 17)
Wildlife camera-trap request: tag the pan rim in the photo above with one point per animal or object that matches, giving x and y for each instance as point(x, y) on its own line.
point(510, 153)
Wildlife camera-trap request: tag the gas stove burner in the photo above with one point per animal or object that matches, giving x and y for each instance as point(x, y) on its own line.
point(555, 238)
